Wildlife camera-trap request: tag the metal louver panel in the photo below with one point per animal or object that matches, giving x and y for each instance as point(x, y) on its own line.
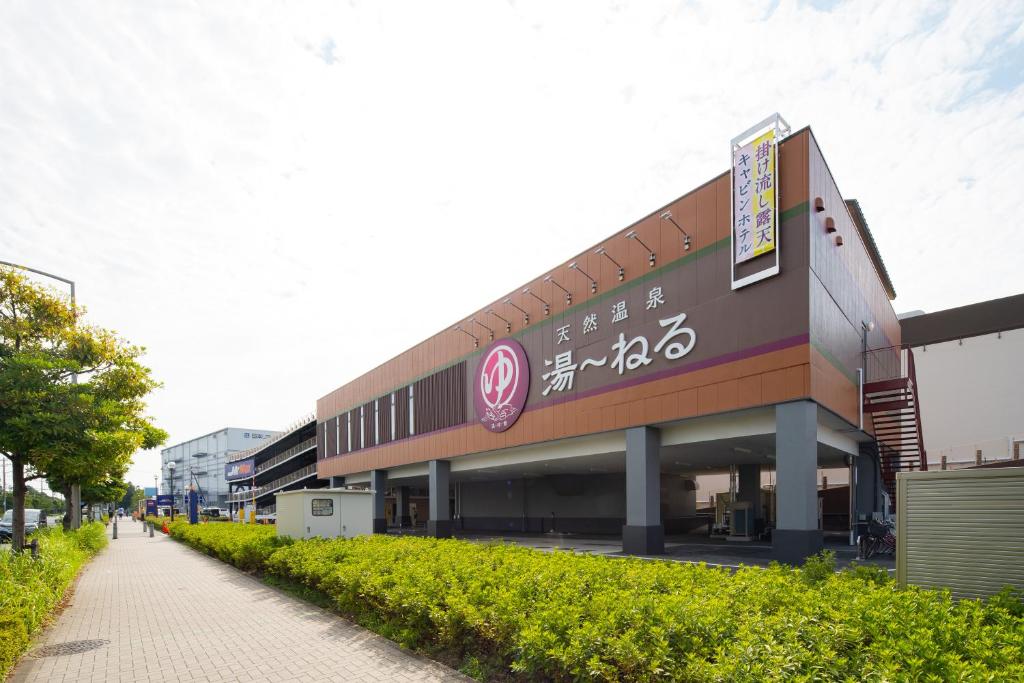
point(961, 529)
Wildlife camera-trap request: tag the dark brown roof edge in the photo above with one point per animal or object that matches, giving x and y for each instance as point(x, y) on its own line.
point(869, 241)
point(997, 464)
point(986, 317)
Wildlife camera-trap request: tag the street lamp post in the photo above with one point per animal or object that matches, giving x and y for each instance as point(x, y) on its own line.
point(170, 469)
point(76, 489)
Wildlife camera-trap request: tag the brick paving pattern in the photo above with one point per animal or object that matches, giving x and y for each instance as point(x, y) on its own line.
point(172, 614)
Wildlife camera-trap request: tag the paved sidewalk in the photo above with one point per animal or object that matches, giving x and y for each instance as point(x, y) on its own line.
point(172, 614)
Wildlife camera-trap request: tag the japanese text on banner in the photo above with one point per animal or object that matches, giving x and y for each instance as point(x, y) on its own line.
point(754, 179)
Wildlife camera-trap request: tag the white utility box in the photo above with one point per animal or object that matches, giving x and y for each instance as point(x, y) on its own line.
point(324, 512)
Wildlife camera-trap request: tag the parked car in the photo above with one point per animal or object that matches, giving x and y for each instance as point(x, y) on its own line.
point(34, 520)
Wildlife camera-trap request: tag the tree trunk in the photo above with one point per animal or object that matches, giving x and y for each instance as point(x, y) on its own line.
point(20, 489)
point(69, 507)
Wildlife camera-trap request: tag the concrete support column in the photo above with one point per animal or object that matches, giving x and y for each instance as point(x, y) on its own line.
point(750, 488)
point(402, 506)
point(337, 482)
point(439, 525)
point(796, 534)
point(644, 533)
point(378, 484)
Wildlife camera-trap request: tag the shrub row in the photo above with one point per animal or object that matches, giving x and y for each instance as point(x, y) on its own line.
point(31, 588)
point(506, 610)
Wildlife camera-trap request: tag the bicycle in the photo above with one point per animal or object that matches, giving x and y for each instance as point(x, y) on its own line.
point(880, 539)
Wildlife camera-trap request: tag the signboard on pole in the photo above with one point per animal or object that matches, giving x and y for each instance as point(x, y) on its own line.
point(164, 500)
point(151, 507)
point(241, 469)
point(754, 180)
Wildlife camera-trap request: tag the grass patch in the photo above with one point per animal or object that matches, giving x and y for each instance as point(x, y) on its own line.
point(503, 611)
point(31, 589)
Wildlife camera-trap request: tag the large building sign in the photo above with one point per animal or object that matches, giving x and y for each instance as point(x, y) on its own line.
point(242, 469)
point(502, 384)
point(755, 200)
point(628, 352)
point(754, 214)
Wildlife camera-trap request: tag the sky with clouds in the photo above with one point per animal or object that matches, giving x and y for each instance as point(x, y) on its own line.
point(275, 197)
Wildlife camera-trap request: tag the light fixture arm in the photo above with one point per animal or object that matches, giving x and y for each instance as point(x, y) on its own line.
point(526, 316)
point(547, 306)
point(490, 332)
point(593, 283)
point(633, 236)
point(476, 342)
point(686, 236)
point(604, 252)
point(568, 294)
point(508, 324)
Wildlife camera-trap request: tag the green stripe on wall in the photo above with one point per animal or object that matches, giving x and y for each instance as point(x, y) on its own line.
point(835, 362)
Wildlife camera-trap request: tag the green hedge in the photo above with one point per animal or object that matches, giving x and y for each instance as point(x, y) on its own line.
point(31, 588)
point(498, 609)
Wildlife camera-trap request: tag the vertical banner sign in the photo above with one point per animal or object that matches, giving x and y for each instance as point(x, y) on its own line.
point(754, 214)
point(755, 201)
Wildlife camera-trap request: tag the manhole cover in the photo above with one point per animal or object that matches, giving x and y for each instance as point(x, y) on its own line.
point(73, 647)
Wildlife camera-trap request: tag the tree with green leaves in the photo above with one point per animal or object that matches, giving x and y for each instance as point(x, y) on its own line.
point(72, 396)
point(132, 497)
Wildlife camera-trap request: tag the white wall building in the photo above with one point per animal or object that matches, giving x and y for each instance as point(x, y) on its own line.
point(202, 460)
point(970, 370)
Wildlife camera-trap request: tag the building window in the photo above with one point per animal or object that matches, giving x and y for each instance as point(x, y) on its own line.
point(393, 436)
point(348, 420)
point(376, 422)
point(362, 427)
point(337, 436)
point(323, 507)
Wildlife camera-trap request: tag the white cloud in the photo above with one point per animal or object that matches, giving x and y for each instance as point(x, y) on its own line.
point(275, 198)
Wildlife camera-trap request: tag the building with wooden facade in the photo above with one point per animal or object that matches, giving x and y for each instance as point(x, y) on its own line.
point(707, 334)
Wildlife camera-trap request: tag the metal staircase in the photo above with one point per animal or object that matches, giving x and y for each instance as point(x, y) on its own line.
point(895, 413)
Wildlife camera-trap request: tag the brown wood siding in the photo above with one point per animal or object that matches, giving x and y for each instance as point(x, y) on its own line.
point(756, 380)
point(845, 290)
point(760, 380)
point(402, 412)
point(704, 212)
point(356, 434)
point(368, 436)
point(331, 436)
point(439, 400)
point(343, 433)
point(385, 418)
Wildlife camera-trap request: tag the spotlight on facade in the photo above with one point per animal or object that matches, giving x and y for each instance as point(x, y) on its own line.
point(490, 332)
point(622, 271)
point(547, 306)
point(526, 316)
point(593, 283)
point(508, 324)
point(631, 235)
point(476, 342)
point(568, 294)
point(686, 236)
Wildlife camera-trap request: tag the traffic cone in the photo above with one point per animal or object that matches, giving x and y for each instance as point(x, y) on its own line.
point(165, 529)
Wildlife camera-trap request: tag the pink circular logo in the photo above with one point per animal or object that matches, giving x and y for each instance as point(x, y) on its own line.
point(502, 383)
